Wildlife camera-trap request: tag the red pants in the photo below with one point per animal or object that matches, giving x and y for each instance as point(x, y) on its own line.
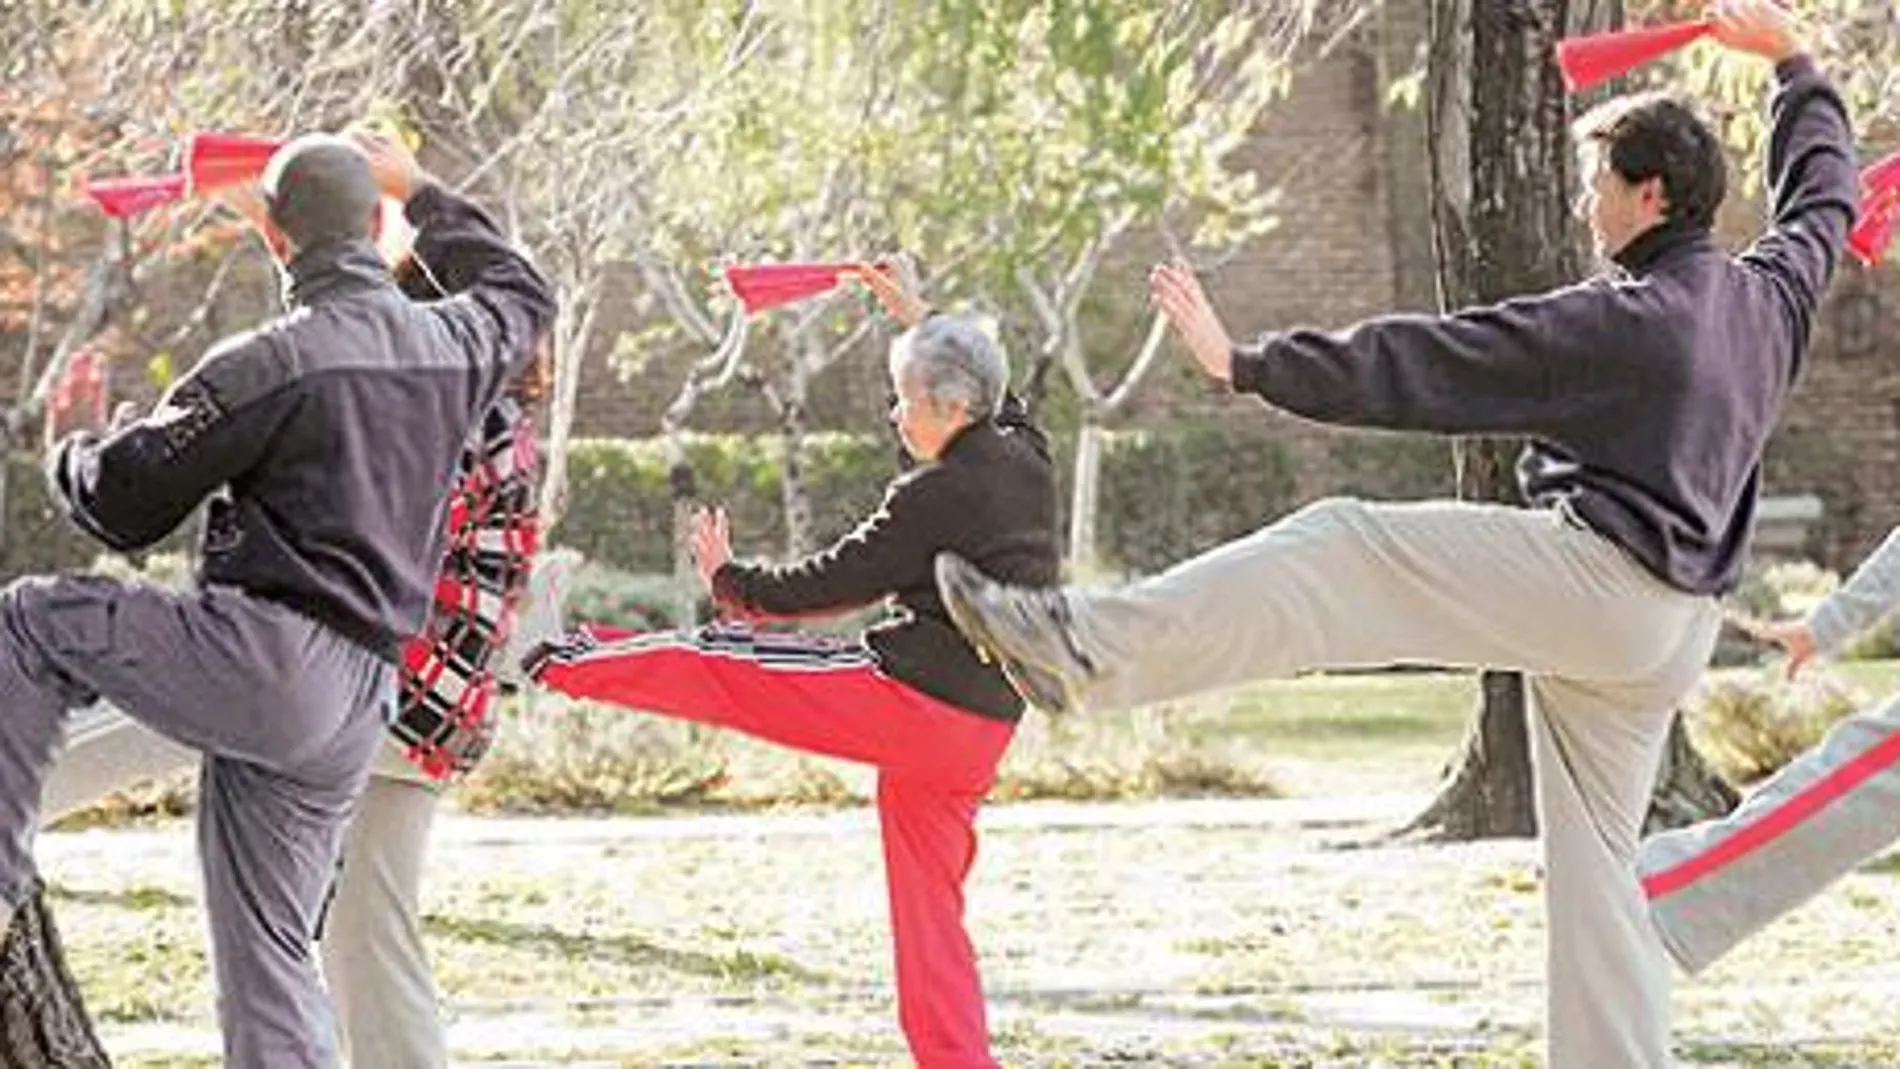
point(935, 763)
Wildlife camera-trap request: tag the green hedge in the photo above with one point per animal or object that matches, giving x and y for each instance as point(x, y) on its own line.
point(39, 540)
point(1173, 492)
point(620, 511)
point(1165, 495)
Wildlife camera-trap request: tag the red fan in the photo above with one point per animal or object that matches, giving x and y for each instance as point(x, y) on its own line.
point(1870, 237)
point(214, 161)
point(763, 286)
point(1881, 178)
point(1591, 60)
point(1879, 210)
point(121, 197)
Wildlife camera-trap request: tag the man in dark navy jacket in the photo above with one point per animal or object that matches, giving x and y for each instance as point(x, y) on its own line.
point(1648, 394)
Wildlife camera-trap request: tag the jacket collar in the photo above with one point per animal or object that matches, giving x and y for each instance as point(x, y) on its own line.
point(333, 269)
point(1659, 245)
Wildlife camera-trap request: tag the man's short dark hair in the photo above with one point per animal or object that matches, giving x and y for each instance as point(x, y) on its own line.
point(1653, 135)
point(319, 188)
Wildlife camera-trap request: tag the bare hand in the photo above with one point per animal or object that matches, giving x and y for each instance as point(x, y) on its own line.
point(246, 199)
point(393, 166)
point(894, 282)
point(1761, 27)
point(712, 543)
point(1792, 637)
point(1177, 293)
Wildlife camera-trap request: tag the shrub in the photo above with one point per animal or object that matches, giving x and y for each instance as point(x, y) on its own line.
point(1123, 756)
point(560, 756)
point(1169, 494)
point(620, 500)
point(1750, 727)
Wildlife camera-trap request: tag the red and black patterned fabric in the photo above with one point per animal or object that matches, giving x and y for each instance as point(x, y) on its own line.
point(442, 719)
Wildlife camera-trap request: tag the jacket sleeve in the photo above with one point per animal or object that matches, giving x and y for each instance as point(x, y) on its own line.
point(500, 303)
point(131, 488)
point(892, 548)
point(1814, 189)
point(1506, 368)
point(1870, 593)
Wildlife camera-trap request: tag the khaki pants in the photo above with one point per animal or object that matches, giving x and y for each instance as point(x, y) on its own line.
point(373, 955)
point(1608, 649)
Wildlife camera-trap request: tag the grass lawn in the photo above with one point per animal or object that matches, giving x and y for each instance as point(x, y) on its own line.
point(1162, 934)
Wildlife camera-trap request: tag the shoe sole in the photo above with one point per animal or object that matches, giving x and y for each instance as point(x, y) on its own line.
point(1016, 670)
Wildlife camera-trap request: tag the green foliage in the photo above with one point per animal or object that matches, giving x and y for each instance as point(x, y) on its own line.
point(1166, 495)
point(1169, 494)
point(621, 511)
point(1391, 467)
point(1855, 40)
point(38, 539)
point(560, 756)
point(1790, 590)
point(1748, 728)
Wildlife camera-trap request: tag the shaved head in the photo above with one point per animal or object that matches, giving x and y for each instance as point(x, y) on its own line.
point(319, 188)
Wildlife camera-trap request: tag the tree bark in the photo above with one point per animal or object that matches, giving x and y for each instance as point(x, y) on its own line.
point(1501, 186)
point(1084, 553)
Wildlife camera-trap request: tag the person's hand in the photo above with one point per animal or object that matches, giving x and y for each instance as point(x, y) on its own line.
point(894, 282)
point(1792, 637)
point(1177, 293)
point(393, 166)
point(247, 200)
point(712, 543)
point(1761, 27)
point(124, 414)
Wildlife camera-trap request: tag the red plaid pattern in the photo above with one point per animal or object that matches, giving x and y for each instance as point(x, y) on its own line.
point(442, 719)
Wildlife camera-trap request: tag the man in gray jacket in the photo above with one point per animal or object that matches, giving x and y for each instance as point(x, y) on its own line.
point(324, 441)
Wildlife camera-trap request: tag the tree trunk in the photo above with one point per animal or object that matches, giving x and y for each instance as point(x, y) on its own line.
point(1084, 555)
point(683, 486)
point(1687, 789)
point(1501, 186)
point(794, 495)
point(573, 330)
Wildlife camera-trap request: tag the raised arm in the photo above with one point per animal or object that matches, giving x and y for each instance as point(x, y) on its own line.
point(1813, 188)
point(500, 303)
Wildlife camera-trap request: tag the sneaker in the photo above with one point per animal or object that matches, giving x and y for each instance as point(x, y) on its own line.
point(1026, 632)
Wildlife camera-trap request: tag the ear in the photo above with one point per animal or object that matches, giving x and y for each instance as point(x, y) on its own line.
point(277, 242)
point(1653, 197)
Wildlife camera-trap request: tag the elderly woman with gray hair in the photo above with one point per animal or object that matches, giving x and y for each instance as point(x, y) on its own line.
point(912, 697)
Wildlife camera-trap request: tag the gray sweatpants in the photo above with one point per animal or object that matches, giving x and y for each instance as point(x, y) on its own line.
point(1608, 650)
point(374, 961)
point(287, 716)
point(1823, 814)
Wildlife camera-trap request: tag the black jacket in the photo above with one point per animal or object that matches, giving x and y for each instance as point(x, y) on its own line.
point(1648, 394)
point(991, 498)
point(334, 431)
